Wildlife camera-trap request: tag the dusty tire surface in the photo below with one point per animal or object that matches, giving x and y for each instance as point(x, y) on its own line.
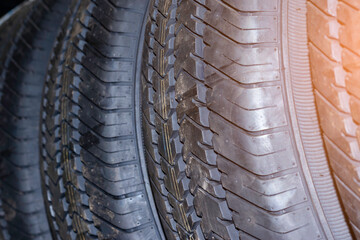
point(232, 137)
point(334, 58)
point(24, 64)
point(93, 166)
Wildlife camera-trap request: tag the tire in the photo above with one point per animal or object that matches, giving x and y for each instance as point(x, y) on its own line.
point(24, 65)
point(94, 173)
point(9, 25)
point(334, 56)
point(232, 138)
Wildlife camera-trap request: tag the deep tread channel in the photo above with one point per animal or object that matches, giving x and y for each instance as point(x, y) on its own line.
point(93, 175)
point(222, 152)
point(24, 64)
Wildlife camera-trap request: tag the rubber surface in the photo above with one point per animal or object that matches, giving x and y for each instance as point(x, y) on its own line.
point(9, 25)
point(23, 75)
point(232, 137)
point(93, 175)
point(334, 55)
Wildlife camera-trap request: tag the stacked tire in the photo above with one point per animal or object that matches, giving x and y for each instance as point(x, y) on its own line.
point(179, 119)
point(24, 62)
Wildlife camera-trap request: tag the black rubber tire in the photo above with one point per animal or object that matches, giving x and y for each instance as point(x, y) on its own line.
point(94, 171)
point(334, 58)
point(24, 65)
point(9, 25)
point(231, 132)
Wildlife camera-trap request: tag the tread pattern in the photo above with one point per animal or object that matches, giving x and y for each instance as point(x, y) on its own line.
point(193, 116)
point(166, 165)
point(8, 29)
point(23, 74)
point(92, 161)
point(237, 144)
point(64, 186)
point(334, 52)
point(253, 144)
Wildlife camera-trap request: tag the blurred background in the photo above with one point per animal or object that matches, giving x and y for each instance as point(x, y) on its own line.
point(7, 5)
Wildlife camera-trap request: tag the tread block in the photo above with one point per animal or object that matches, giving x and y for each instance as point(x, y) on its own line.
point(116, 181)
point(264, 225)
point(205, 176)
point(107, 71)
point(108, 231)
point(125, 213)
point(349, 16)
point(125, 151)
point(123, 99)
point(351, 202)
point(344, 167)
point(259, 144)
point(327, 6)
point(194, 145)
point(254, 5)
point(325, 25)
point(270, 160)
point(185, 222)
point(239, 62)
point(168, 145)
point(271, 194)
point(354, 106)
point(174, 180)
point(217, 220)
point(186, 48)
point(238, 27)
point(155, 172)
point(249, 115)
point(111, 44)
point(187, 10)
point(344, 132)
point(350, 63)
point(329, 79)
point(110, 17)
point(130, 4)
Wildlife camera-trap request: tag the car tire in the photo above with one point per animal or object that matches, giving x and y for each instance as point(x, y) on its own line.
point(334, 56)
point(94, 170)
point(24, 64)
point(231, 131)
